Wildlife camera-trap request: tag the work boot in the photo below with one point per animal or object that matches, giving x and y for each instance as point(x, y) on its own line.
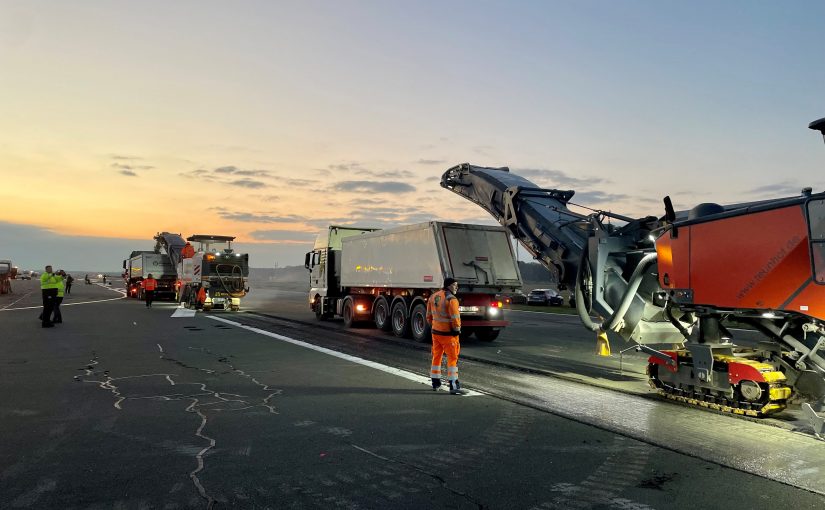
point(455, 388)
point(436, 383)
point(48, 325)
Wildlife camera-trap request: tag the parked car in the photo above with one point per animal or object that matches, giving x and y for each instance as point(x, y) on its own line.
point(25, 275)
point(547, 297)
point(516, 298)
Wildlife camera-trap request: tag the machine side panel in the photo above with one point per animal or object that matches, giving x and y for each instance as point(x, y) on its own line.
point(754, 261)
point(809, 301)
point(674, 259)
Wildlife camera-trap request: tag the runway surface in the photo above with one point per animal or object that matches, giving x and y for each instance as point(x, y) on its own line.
point(127, 407)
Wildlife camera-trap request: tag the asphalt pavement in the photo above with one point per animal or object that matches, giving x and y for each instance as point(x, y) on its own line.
point(127, 407)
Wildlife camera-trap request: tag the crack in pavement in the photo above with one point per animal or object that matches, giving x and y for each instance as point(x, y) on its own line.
point(199, 405)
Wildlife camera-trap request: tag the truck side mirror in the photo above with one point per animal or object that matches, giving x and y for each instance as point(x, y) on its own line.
point(306, 260)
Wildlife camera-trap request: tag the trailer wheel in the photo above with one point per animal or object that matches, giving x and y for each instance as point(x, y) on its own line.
point(487, 334)
point(348, 313)
point(400, 324)
point(381, 314)
point(418, 323)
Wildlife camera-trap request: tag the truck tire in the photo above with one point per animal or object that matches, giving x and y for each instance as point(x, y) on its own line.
point(381, 314)
point(466, 333)
point(348, 312)
point(318, 309)
point(418, 323)
point(487, 334)
point(400, 321)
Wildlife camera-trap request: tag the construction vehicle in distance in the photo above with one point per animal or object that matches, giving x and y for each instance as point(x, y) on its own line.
point(386, 276)
point(221, 271)
point(7, 273)
point(667, 284)
point(140, 265)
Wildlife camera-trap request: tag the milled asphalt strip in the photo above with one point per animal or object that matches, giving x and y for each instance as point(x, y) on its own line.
point(777, 454)
point(378, 366)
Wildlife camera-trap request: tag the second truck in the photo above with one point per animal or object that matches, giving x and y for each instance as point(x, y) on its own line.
point(386, 276)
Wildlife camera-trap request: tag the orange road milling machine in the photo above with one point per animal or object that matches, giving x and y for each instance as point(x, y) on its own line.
point(671, 284)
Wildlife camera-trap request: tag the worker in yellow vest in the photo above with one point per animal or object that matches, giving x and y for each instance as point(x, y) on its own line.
point(59, 278)
point(445, 324)
point(48, 291)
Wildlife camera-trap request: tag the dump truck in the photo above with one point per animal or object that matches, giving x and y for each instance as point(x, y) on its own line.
point(223, 272)
point(385, 277)
point(140, 265)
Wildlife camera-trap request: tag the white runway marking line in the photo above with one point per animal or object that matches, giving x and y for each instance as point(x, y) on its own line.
point(378, 366)
point(62, 304)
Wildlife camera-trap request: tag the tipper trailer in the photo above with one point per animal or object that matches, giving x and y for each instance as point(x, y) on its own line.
point(386, 276)
point(140, 265)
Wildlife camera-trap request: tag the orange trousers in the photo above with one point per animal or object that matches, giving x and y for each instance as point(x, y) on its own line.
point(445, 345)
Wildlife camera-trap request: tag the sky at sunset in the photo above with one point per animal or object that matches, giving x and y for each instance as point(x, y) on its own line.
point(270, 120)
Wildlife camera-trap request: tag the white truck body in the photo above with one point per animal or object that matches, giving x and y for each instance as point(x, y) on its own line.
point(156, 264)
point(420, 256)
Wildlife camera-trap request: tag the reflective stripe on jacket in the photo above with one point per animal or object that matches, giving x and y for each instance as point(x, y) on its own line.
point(150, 284)
point(443, 315)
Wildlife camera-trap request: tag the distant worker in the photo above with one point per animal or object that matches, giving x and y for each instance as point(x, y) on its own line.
point(187, 252)
point(149, 285)
point(104, 279)
point(48, 290)
point(60, 281)
point(69, 281)
point(201, 300)
point(87, 280)
point(445, 324)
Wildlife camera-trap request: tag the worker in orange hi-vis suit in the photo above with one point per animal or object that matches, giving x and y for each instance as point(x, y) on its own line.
point(187, 252)
point(149, 285)
point(445, 324)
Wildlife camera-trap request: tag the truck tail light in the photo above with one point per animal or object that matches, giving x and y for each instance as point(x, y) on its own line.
point(360, 308)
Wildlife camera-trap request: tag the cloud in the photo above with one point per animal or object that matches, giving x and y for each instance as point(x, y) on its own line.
point(351, 166)
point(284, 236)
point(598, 197)
point(129, 170)
point(300, 183)
point(431, 162)
point(199, 174)
point(779, 189)
point(557, 178)
point(390, 173)
point(237, 171)
point(263, 218)
point(247, 183)
point(357, 168)
point(121, 157)
point(374, 187)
